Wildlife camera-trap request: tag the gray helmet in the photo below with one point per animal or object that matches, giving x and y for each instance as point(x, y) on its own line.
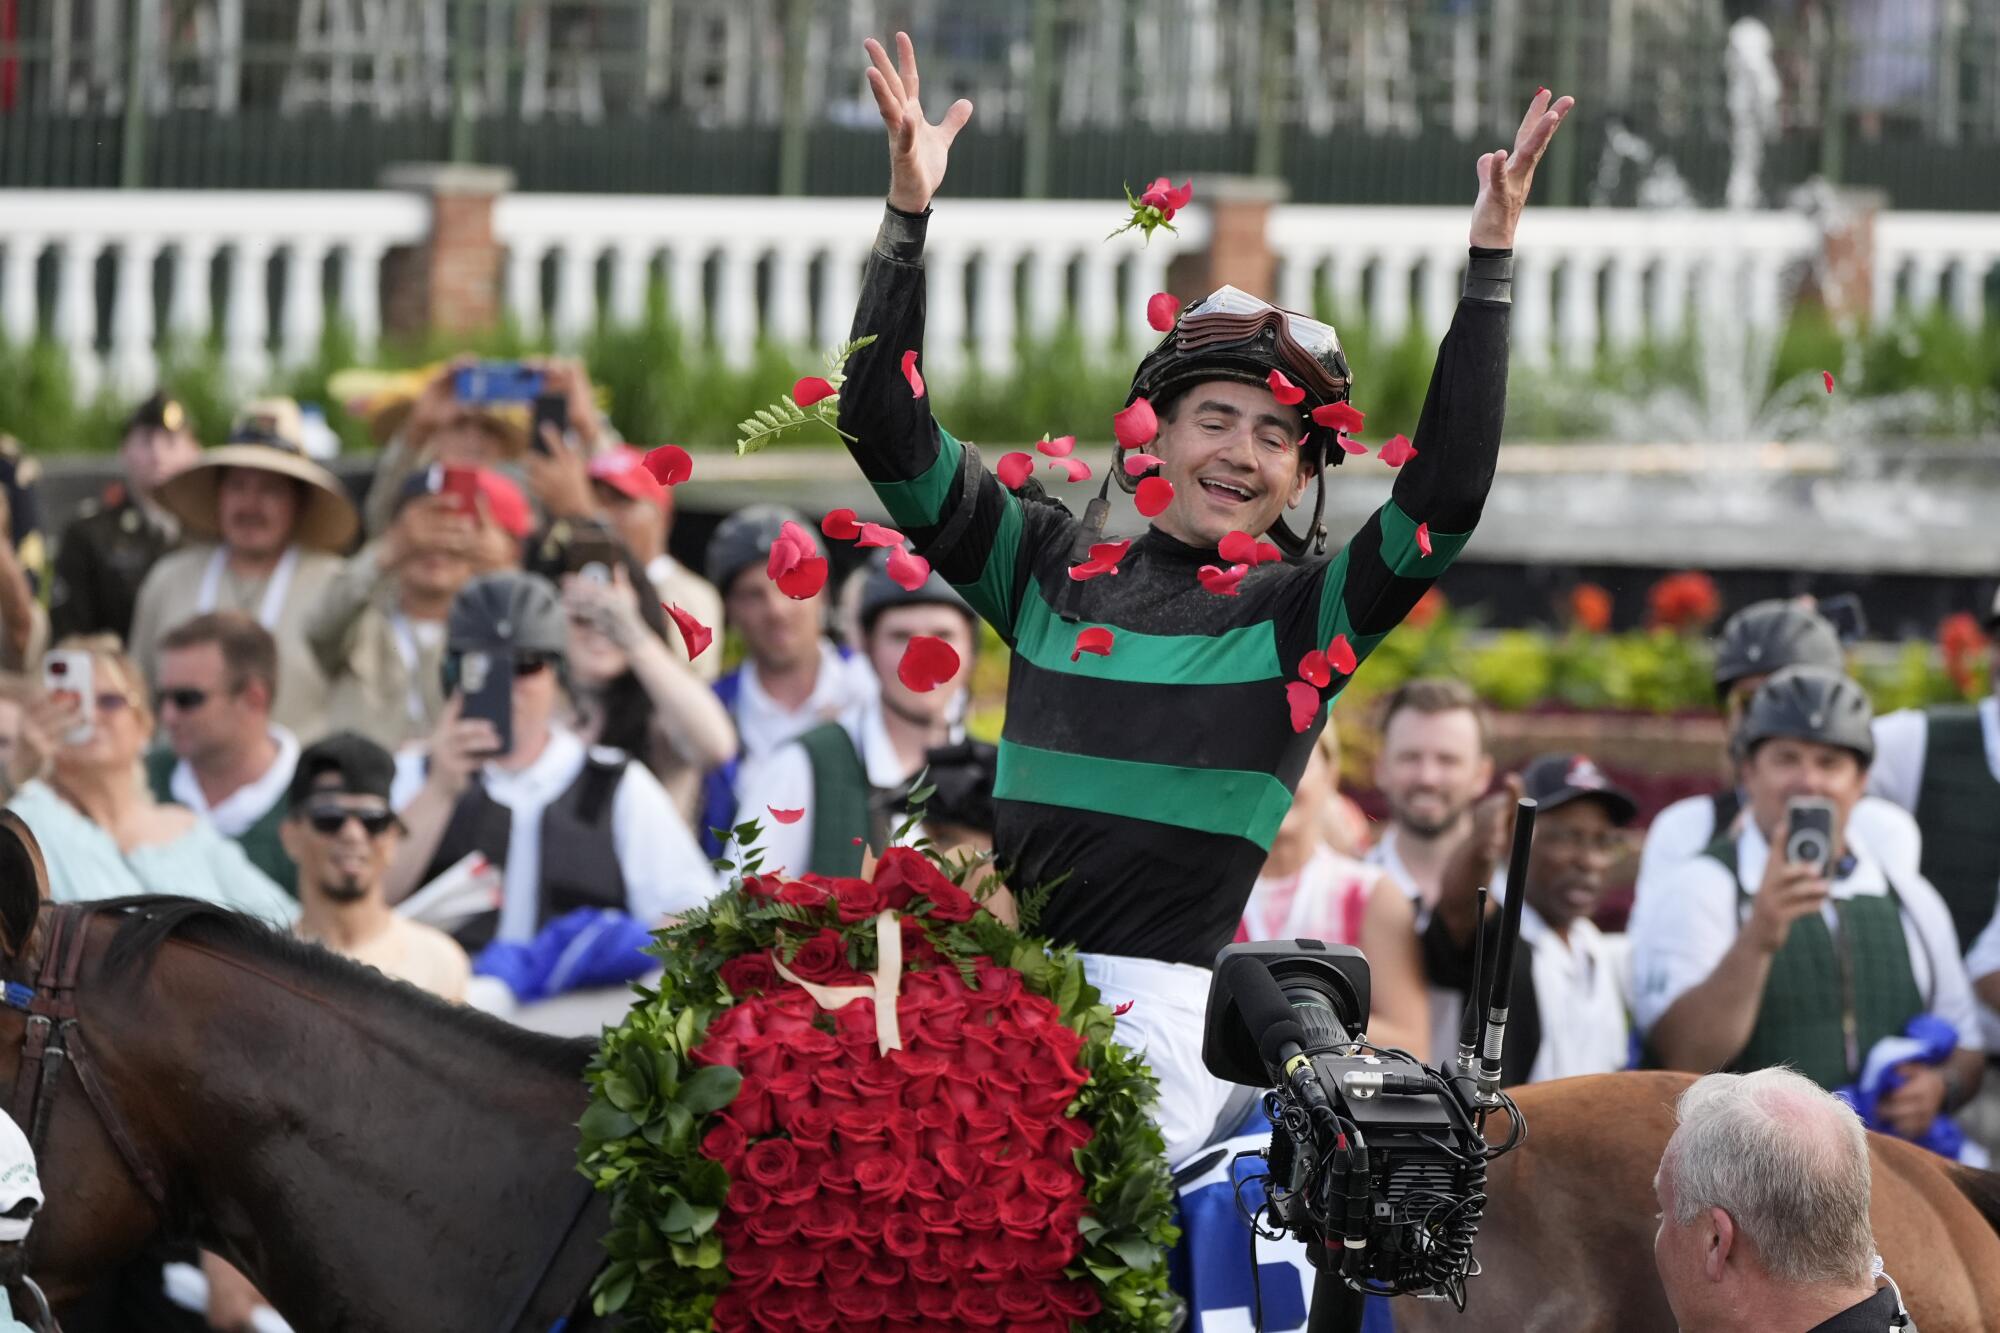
point(1809, 704)
point(509, 610)
point(1769, 636)
point(881, 593)
point(744, 539)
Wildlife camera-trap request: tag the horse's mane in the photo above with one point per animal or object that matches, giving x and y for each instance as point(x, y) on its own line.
point(150, 920)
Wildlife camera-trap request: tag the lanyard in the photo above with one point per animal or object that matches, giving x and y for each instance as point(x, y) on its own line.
point(273, 603)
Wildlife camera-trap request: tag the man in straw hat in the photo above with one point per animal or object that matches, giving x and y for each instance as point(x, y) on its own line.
point(265, 528)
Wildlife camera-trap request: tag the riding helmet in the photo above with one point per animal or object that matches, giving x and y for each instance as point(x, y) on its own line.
point(1809, 703)
point(507, 610)
point(1769, 636)
point(881, 593)
point(745, 537)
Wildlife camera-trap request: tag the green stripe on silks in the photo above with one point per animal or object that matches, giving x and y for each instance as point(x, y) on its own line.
point(1233, 657)
point(919, 502)
point(1401, 553)
point(1224, 801)
point(1333, 618)
point(993, 596)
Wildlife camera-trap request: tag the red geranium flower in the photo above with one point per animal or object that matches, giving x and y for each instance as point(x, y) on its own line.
point(1590, 608)
point(1686, 602)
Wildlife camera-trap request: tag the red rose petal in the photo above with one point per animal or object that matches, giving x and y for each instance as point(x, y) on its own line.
point(1161, 311)
point(1240, 548)
point(1221, 582)
point(1827, 375)
point(786, 816)
point(1060, 447)
point(1013, 469)
point(804, 579)
point(1104, 558)
point(1077, 469)
point(1313, 669)
point(1138, 465)
point(1123, 1009)
point(1282, 389)
point(1340, 655)
point(1136, 425)
point(785, 556)
point(810, 389)
point(1397, 451)
point(927, 663)
point(841, 525)
point(874, 534)
point(1353, 446)
point(1154, 495)
point(695, 635)
point(907, 569)
point(669, 464)
point(1178, 199)
point(1092, 640)
point(1424, 538)
point(1303, 700)
point(1340, 416)
point(912, 374)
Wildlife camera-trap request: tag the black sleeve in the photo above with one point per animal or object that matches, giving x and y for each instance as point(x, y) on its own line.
point(1458, 433)
point(73, 601)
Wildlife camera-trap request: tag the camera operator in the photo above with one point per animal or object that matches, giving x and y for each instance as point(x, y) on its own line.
point(1791, 943)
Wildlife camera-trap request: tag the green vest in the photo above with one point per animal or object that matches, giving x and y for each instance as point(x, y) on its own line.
point(1827, 1001)
point(259, 842)
point(841, 810)
point(1958, 802)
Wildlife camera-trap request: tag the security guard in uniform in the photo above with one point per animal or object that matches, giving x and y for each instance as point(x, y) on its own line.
point(116, 538)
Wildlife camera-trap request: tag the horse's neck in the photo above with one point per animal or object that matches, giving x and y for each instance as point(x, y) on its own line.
point(365, 1157)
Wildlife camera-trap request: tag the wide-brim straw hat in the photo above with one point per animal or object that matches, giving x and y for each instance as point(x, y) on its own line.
point(327, 519)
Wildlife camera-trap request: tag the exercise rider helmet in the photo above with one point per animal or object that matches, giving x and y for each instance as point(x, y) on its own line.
point(880, 593)
point(1809, 703)
point(1771, 635)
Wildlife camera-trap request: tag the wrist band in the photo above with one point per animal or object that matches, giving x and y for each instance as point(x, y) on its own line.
point(1489, 276)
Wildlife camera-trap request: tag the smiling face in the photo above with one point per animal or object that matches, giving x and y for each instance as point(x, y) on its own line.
point(1231, 451)
point(256, 511)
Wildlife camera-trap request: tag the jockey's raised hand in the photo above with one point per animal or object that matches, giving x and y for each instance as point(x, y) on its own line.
point(1505, 175)
point(918, 150)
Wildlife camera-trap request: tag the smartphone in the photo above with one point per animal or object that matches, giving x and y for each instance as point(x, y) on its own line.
point(486, 679)
point(1809, 833)
point(66, 676)
point(496, 382)
point(1843, 611)
point(592, 553)
point(550, 409)
point(459, 484)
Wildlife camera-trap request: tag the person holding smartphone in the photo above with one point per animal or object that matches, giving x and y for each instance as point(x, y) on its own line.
point(1792, 942)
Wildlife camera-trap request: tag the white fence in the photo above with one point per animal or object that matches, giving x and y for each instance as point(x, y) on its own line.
point(266, 273)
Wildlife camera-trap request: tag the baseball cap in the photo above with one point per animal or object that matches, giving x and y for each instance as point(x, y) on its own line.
point(162, 411)
point(623, 469)
point(1554, 780)
point(343, 764)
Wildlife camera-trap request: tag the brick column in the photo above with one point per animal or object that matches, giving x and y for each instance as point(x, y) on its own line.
point(1239, 245)
point(451, 282)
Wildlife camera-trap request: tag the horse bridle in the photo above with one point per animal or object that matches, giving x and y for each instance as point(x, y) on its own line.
point(52, 1039)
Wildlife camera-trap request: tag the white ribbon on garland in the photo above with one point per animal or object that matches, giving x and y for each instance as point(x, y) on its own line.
point(887, 983)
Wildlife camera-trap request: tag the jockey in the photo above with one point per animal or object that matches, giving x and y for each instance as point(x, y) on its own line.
point(1146, 784)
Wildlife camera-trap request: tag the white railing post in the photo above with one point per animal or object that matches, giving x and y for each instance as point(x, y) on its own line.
point(190, 300)
point(1670, 297)
point(736, 303)
point(1048, 305)
point(1534, 276)
point(360, 292)
point(945, 325)
point(576, 293)
point(1576, 325)
point(1389, 313)
point(133, 366)
point(687, 303)
point(789, 309)
point(74, 327)
point(1625, 300)
point(1968, 288)
point(840, 290)
point(19, 312)
point(994, 312)
point(302, 318)
point(631, 274)
point(245, 321)
point(524, 285)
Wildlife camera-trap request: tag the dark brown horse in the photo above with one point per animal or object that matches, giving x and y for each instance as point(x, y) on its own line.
point(373, 1159)
point(1568, 1239)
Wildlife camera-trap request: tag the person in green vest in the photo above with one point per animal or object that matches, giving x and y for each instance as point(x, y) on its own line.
point(834, 773)
point(1751, 957)
point(1942, 764)
point(226, 759)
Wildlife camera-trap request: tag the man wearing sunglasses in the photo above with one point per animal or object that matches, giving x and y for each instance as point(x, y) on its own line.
point(1147, 783)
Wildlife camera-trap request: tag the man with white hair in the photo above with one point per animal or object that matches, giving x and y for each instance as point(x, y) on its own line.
point(1763, 1195)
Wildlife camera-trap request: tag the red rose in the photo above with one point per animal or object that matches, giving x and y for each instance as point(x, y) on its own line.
point(923, 1178)
point(750, 1263)
point(917, 946)
point(904, 1236)
point(825, 1219)
point(860, 1127)
point(977, 1306)
point(901, 1124)
point(803, 1185)
point(885, 1270)
point(860, 1301)
point(797, 1266)
point(978, 1209)
point(762, 886)
point(791, 1092)
point(927, 1267)
point(815, 1316)
point(1077, 1300)
point(1025, 1214)
point(1020, 1300)
point(831, 1082)
point(843, 1264)
point(934, 1302)
point(837, 1174)
point(799, 893)
point(812, 1129)
point(904, 872)
point(959, 1163)
point(746, 1199)
point(940, 1217)
point(750, 973)
point(983, 1125)
point(854, 1026)
point(881, 1179)
point(822, 959)
point(732, 1309)
point(724, 1141)
point(771, 1163)
point(1052, 1180)
point(857, 899)
point(999, 983)
point(773, 1226)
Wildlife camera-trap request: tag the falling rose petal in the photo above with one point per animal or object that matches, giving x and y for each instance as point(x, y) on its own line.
point(1104, 558)
point(841, 525)
point(804, 579)
point(1282, 389)
point(1013, 469)
point(1353, 446)
point(1093, 640)
point(669, 464)
point(1238, 548)
point(810, 389)
point(1136, 425)
point(1138, 465)
point(786, 816)
point(1827, 375)
point(1313, 669)
point(1424, 538)
point(1397, 451)
point(694, 635)
point(1154, 495)
point(1221, 582)
point(874, 535)
point(927, 663)
point(1340, 655)
point(1060, 447)
point(912, 374)
point(1077, 469)
point(1161, 310)
point(1121, 1010)
point(1303, 700)
point(907, 569)
point(1340, 416)
point(785, 556)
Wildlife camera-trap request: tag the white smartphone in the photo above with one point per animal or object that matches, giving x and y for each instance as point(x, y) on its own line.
point(67, 676)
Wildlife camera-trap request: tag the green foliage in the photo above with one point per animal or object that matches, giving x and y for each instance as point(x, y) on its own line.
point(766, 424)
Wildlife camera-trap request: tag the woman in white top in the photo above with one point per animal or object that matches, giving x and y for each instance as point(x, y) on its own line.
point(100, 830)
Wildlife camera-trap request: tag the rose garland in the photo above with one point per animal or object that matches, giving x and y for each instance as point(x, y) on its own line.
point(773, 1166)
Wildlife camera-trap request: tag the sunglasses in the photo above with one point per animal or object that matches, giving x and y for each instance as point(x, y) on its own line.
point(331, 819)
point(185, 700)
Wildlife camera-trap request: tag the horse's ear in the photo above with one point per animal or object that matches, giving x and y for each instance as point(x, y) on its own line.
point(24, 884)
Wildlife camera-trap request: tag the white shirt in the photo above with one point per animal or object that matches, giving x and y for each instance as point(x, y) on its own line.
point(235, 813)
point(1582, 993)
point(1385, 855)
point(1680, 933)
point(1447, 1005)
point(763, 724)
point(1902, 739)
point(664, 870)
point(1684, 830)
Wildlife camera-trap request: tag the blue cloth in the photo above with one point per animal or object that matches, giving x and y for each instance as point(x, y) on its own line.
point(581, 950)
point(1928, 1040)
